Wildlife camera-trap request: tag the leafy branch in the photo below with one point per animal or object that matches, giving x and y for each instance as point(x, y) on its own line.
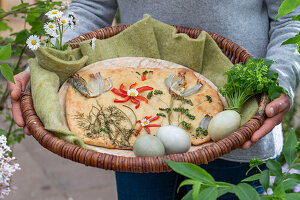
point(205, 187)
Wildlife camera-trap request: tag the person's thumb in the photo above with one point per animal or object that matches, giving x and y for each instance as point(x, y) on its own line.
point(20, 83)
point(278, 105)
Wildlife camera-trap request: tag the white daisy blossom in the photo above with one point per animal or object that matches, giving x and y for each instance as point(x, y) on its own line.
point(145, 122)
point(93, 43)
point(7, 168)
point(64, 20)
point(50, 27)
point(54, 14)
point(33, 42)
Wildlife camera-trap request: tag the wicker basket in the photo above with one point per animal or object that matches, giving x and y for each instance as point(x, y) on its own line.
point(203, 155)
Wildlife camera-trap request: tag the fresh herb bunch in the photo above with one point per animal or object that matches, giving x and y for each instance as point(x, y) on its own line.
point(245, 81)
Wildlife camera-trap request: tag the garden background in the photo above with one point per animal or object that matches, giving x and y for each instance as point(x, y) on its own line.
point(47, 176)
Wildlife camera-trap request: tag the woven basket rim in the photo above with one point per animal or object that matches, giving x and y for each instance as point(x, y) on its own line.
point(203, 155)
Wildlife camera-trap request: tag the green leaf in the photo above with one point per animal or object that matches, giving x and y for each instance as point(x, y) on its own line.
point(296, 18)
point(293, 40)
point(289, 150)
point(7, 72)
point(296, 166)
point(186, 182)
point(23, 5)
point(5, 52)
point(290, 183)
point(279, 189)
point(268, 62)
point(294, 176)
point(286, 7)
point(245, 191)
point(210, 193)
point(274, 167)
point(188, 196)
point(191, 171)
point(4, 26)
point(265, 179)
point(21, 36)
point(3, 132)
point(222, 191)
point(291, 196)
point(196, 190)
point(251, 178)
point(275, 91)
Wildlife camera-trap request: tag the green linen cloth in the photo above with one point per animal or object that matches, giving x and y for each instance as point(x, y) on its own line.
point(136, 41)
point(146, 38)
point(44, 88)
point(63, 63)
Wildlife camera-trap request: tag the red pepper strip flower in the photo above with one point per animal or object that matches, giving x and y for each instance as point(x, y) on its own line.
point(132, 94)
point(146, 124)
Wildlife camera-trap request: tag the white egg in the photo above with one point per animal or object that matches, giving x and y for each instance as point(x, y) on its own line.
point(148, 145)
point(174, 138)
point(223, 124)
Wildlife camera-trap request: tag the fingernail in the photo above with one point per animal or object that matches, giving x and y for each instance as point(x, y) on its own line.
point(272, 111)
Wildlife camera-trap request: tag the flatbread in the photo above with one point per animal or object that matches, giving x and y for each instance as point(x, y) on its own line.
point(82, 113)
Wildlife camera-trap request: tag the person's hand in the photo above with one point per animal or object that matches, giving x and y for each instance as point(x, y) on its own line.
point(15, 90)
point(275, 111)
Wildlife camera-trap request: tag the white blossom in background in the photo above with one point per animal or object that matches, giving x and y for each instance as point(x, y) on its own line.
point(73, 19)
point(7, 168)
point(65, 5)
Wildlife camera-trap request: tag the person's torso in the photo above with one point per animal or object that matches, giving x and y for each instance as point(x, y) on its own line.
point(242, 21)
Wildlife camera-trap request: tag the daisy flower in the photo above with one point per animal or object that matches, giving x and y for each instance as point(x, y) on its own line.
point(64, 20)
point(93, 43)
point(50, 27)
point(54, 14)
point(33, 42)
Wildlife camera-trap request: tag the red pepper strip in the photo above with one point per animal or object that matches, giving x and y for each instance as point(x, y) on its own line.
point(154, 125)
point(139, 130)
point(122, 101)
point(148, 130)
point(148, 117)
point(144, 88)
point(153, 119)
point(142, 98)
point(121, 89)
point(143, 78)
point(117, 92)
point(132, 86)
point(137, 102)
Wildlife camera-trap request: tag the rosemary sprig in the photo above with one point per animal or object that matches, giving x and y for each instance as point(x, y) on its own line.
point(201, 130)
point(209, 99)
point(161, 114)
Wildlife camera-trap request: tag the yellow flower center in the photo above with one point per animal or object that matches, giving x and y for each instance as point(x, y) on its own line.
point(145, 123)
point(50, 26)
point(33, 42)
point(132, 94)
point(54, 12)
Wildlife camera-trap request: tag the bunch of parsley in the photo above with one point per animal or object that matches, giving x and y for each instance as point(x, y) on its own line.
point(245, 81)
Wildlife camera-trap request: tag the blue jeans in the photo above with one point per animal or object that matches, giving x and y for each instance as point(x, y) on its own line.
point(163, 186)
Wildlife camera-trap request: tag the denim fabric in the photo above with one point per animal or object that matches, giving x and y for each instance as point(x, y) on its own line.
point(163, 186)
